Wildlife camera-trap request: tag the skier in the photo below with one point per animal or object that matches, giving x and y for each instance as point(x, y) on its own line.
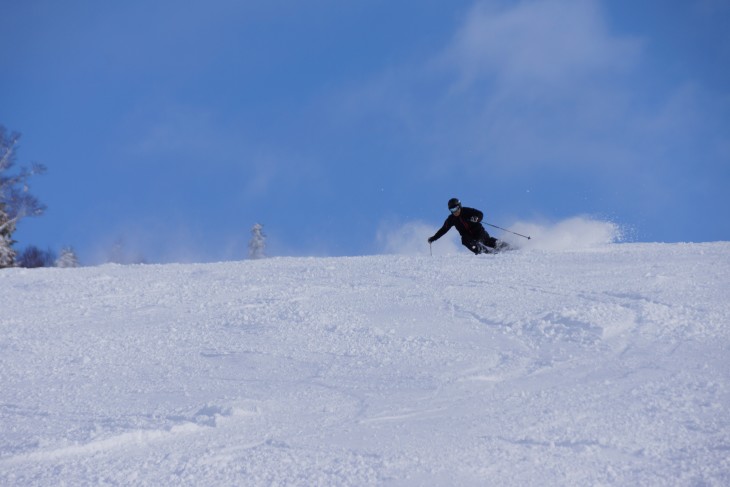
point(473, 235)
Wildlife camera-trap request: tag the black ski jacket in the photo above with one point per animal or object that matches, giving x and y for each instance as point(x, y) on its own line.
point(468, 223)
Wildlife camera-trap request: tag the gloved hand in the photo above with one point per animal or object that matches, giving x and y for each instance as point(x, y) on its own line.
point(431, 239)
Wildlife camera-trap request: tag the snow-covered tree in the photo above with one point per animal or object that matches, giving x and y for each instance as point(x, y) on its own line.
point(67, 258)
point(7, 254)
point(257, 244)
point(15, 200)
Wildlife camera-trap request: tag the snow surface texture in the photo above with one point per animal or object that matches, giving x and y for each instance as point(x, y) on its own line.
point(604, 365)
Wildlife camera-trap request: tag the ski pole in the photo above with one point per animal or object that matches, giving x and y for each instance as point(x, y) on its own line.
point(510, 231)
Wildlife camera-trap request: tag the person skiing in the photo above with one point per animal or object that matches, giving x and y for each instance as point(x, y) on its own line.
point(468, 222)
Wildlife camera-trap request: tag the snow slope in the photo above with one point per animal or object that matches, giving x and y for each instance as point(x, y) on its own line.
point(598, 366)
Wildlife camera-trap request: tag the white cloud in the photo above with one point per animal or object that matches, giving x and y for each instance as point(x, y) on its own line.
point(538, 45)
point(540, 84)
point(520, 85)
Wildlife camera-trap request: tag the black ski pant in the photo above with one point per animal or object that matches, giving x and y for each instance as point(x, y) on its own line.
point(477, 243)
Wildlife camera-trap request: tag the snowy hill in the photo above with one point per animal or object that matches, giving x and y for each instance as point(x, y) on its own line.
point(600, 366)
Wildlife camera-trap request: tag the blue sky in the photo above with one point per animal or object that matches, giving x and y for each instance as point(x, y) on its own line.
point(174, 126)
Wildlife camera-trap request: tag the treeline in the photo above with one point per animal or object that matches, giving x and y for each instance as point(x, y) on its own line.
point(32, 257)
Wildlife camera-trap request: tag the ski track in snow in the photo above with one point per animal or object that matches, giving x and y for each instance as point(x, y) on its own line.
point(599, 366)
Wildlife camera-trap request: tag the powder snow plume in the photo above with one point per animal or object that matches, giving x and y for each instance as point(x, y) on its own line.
point(573, 233)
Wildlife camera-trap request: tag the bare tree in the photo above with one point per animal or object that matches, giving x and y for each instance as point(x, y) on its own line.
point(32, 257)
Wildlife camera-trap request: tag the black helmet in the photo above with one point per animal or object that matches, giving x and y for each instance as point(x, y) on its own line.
point(454, 203)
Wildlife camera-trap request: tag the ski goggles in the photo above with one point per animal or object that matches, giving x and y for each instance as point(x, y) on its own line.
point(455, 209)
